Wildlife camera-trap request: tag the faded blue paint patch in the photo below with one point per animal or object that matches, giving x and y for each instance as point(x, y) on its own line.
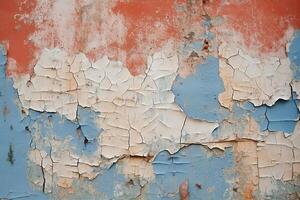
point(282, 116)
point(46, 123)
point(193, 46)
point(259, 114)
point(197, 45)
point(198, 93)
point(294, 54)
point(14, 144)
point(3, 56)
point(240, 116)
point(53, 124)
point(207, 25)
point(86, 119)
point(107, 182)
point(284, 190)
point(207, 172)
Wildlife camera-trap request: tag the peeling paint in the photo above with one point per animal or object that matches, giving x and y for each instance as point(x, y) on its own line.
point(180, 99)
point(15, 146)
point(282, 116)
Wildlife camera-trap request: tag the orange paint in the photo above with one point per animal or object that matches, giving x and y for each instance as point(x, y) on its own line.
point(149, 24)
point(248, 192)
point(15, 31)
point(262, 23)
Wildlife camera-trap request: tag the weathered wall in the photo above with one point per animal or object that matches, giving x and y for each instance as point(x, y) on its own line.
point(149, 99)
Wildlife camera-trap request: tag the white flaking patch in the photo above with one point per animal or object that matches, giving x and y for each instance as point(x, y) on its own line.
point(258, 80)
point(137, 114)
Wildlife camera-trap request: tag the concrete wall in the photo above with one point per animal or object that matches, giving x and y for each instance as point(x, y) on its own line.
point(149, 99)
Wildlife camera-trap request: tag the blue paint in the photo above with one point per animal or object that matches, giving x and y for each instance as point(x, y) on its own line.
point(61, 128)
point(193, 46)
point(86, 119)
point(106, 182)
point(197, 45)
point(13, 176)
point(239, 115)
point(52, 123)
point(294, 54)
point(197, 165)
point(210, 35)
point(15, 131)
point(259, 114)
point(282, 116)
point(3, 56)
point(198, 93)
point(207, 24)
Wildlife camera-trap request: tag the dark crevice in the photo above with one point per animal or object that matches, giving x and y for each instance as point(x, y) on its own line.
point(43, 173)
point(198, 185)
point(10, 155)
point(85, 141)
point(205, 45)
point(27, 129)
point(190, 36)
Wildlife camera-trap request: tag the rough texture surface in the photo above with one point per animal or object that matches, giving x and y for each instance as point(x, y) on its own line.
point(140, 99)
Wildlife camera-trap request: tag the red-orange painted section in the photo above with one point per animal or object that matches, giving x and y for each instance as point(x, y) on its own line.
point(262, 22)
point(15, 31)
point(152, 23)
point(148, 23)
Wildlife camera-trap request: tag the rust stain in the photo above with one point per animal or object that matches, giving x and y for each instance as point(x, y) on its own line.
point(184, 190)
point(247, 195)
point(15, 31)
point(262, 23)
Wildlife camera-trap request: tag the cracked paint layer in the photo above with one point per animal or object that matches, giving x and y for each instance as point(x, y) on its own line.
point(259, 80)
point(153, 99)
point(14, 148)
point(278, 165)
point(282, 116)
